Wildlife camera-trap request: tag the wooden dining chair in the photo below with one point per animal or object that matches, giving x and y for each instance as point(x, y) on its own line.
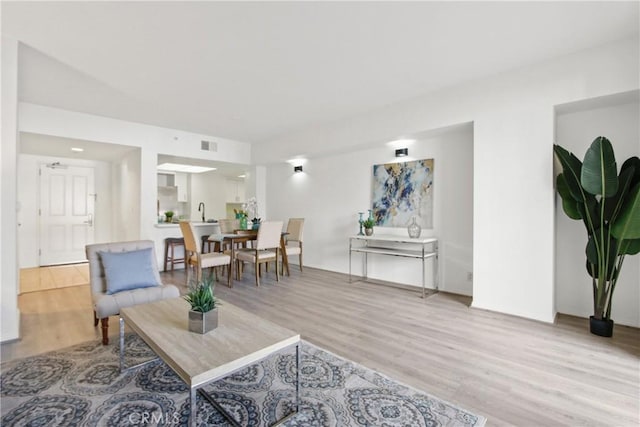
point(265, 250)
point(294, 238)
point(196, 259)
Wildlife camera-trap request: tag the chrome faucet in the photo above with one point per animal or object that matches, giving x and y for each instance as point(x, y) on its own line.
point(201, 205)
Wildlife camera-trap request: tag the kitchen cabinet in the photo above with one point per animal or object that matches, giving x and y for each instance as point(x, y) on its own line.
point(235, 192)
point(181, 181)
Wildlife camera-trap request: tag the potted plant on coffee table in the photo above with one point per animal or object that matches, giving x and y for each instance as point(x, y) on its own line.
point(203, 316)
point(608, 204)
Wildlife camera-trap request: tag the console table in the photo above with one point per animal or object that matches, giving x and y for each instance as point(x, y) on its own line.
point(385, 244)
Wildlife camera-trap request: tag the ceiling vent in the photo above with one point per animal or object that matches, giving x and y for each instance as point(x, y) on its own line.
point(208, 145)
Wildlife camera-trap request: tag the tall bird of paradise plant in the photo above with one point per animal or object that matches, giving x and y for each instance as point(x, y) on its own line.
point(608, 204)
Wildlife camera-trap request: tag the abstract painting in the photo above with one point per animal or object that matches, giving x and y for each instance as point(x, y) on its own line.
point(401, 191)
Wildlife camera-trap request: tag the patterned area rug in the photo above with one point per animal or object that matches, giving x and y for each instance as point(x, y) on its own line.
point(82, 386)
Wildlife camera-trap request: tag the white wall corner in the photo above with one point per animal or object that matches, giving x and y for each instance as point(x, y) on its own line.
point(10, 314)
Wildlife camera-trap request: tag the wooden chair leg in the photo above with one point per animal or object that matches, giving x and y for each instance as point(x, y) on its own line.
point(257, 274)
point(95, 319)
point(199, 273)
point(239, 271)
point(300, 261)
point(105, 330)
point(187, 270)
point(166, 249)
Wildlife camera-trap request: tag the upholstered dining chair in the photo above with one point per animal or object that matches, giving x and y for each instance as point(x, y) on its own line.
point(195, 259)
point(294, 239)
point(123, 274)
point(265, 249)
point(228, 226)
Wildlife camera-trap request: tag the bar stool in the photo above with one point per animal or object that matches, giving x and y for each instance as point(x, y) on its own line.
point(170, 244)
point(205, 241)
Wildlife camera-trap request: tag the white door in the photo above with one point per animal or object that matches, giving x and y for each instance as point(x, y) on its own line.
point(67, 200)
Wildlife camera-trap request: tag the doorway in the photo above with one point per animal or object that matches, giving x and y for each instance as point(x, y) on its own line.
point(66, 212)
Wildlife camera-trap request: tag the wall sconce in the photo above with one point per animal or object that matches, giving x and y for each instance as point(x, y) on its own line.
point(402, 152)
point(297, 169)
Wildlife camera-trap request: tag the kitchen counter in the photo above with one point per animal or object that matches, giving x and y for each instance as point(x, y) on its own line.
point(175, 224)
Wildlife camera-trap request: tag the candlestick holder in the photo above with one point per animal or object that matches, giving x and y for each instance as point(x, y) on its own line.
point(360, 221)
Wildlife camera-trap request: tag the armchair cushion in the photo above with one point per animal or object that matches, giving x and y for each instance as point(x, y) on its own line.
point(128, 270)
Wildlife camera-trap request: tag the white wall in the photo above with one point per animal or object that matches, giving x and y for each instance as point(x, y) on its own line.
point(28, 199)
point(575, 132)
point(333, 189)
point(126, 182)
point(9, 314)
point(514, 209)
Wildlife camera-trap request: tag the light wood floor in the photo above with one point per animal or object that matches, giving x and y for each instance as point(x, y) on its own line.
point(54, 277)
point(511, 370)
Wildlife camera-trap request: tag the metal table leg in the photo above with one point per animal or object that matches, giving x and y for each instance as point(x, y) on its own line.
point(124, 368)
point(193, 407)
point(228, 416)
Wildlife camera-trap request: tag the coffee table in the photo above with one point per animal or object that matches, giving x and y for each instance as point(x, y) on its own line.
point(241, 339)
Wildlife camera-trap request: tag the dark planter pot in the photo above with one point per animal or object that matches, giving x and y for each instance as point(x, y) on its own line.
point(602, 328)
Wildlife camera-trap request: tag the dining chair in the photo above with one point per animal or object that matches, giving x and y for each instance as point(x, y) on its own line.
point(196, 259)
point(294, 238)
point(265, 250)
point(228, 226)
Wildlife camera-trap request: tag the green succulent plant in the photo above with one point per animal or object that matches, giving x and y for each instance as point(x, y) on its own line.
point(608, 204)
point(201, 295)
point(368, 223)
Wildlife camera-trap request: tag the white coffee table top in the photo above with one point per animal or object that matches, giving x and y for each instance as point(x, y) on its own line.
point(240, 339)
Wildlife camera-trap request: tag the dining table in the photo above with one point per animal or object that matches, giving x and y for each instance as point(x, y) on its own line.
point(240, 237)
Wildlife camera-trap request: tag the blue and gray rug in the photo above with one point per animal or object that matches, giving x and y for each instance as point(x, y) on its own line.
point(82, 386)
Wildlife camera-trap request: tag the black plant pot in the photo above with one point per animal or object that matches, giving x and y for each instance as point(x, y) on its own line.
point(601, 327)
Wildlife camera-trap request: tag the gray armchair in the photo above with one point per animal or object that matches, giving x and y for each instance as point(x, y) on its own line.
point(133, 264)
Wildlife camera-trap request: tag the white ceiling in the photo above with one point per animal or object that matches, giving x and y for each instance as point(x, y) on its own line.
point(251, 71)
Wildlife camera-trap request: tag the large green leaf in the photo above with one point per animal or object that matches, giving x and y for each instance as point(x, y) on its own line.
point(632, 162)
point(614, 204)
point(599, 175)
point(572, 168)
point(569, 204)
point(627, 224)
point(590, 212)
point(630, 247)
